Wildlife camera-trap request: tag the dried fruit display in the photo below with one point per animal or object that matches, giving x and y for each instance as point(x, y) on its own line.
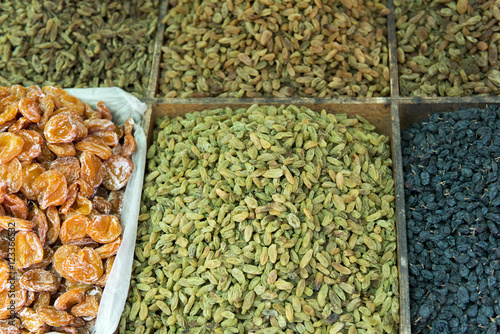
point(61, 185)
point(265, 220)
point(453, 212)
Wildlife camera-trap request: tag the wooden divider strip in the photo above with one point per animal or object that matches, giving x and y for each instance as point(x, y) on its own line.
point(393, 46)
point(155, 68)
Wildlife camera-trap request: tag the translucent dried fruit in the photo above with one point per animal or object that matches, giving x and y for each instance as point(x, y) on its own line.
point(118, 172)
point(99, 124)
point(94, 145)
point(53, 317)
point(39, 218)
point(5, 238)
point(14, 176)
point(28, 249)
point(82, 206)
point(84, 188)
point(30, 319)
point(30, 173)
point(62, 128)
point(92, 169)
point(46, 155)
point(18, 223)
point(7, 112)
point(29, 108)
point(39, 280)
point(32, 145)
point(18, 91)
point(54, 225)
point(74, 228)
point(7, 299)
point(51, 188)
point(63, 100)
point(128, 146)
point(4, 274)
point(105, 113)
point(84, 242)
point(46, 109)
point(129, 126)
point(110, 138)
point(101, 205)
point(109, 249)
point(10, 146)
point(15, 206)
point(84, 266)
point(69, 298)
point(63, 150)
point(109, 265)
point(116, 200)
point(87, 308)
point(69, 167)
point(70, 198)
point(47, 259)
point(18, 125)
point(104, 228)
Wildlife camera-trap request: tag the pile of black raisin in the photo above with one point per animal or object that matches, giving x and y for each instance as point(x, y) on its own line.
point(452, 195)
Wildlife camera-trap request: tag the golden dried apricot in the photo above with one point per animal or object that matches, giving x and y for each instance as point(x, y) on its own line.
point(28, 249)
point(94, 145)
point(53, 317)
point(4, 274)
point(7, 298)
point(62, 150)
point(118, 172)
point(69, 167)
point(69, 299)
point(109, 249)
point(128, 146)
point(54, 225)
point(30, 320)
point(14, 176)
point(82, 206)
point(10, 146)
point(105, 113)
point(51, 188)
point(18, 223)
point(8, 112)
point(30, 173)
point(99, 124)
point(84, 266)
point(87, 308)
point(107, 271)
point(62, 128)
point(38, 217)
point(60, 255)
point(29, 108)
point(70, 198)
point(92, 169)
point(39, 280)
point(109, 138)
point(20, 124)
point(32, 144)
point(74, 228)
point(104, 228)
point(63, 100)
point(15, 206)
point(101, 205)
point(46, 107)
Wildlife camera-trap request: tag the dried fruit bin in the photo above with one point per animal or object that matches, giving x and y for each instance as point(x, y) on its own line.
point(379, 111)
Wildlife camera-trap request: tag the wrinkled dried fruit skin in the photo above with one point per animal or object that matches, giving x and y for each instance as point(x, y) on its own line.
point(84, 266)
point(6, 297)
point(118, 172)
point(101, 205)
point(28, 249)
point(104, 228)
point(30, 173)
point(15, 206)
point(93, 170)
point(74, 228)
point(70, 198)
point(39, 218)
point(8, 112)
point(69, 167)
point(110, 138)
point(19, 224)
point(32, 144)
point(54, 225)
point(128, 146)
point(62, 150)
point(82, 206)
point(105, 113)
point(87, 308)
point(29, 108)
point(63, 100)
point(4, 274)
point(51, 188)
point(96, 146)
point(39, 280)
point(98, 124)
point(53, 317)
point(109, 249)
point(62, 128)
point(11, 146)
point(14, 176)
point(69, 298)
point(30, 320)
point(108, 266)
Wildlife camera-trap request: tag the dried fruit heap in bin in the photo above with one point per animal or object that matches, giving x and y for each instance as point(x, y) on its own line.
point(273, 219)
point(63, 169)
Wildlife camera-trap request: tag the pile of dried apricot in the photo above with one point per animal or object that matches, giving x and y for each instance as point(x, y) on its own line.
point(63, 169)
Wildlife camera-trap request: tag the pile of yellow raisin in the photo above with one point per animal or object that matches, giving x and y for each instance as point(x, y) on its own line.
point(63, 169)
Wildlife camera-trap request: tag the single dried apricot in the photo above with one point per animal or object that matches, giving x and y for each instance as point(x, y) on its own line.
point(32, 144)
point(118, 172)
point(69, 167)
point(28, 249)
point(70, 198)
point(30, 320)
point(96, 146)
point(45, 155)
point(54, 225)
point(47, 259)
point(109, 249)
point(14, 176)
point(101, 107)
point(109, 138)
point(92, 169)
point(51, 188)
point(82, 206)
point(69, 299)
point(53, 317)
point(18, 223)
point(87, 308)
point(39, 280)
point(30, 298)
point(99, 124)
point(128, 146)
point(29, 108)
point(46, 109)
point(30, 173)
point(74, 228)
point(4, 274)
point(84, 266)
point(63, 150)
point(104, 228)
point(18, 91)
point(62, 128)
point(101, 205)
point(20, 124)
point(15, 206)
point(84, 188)
point(43, 299)
point(9, 111)
point(10, 146)
point(5, 126)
